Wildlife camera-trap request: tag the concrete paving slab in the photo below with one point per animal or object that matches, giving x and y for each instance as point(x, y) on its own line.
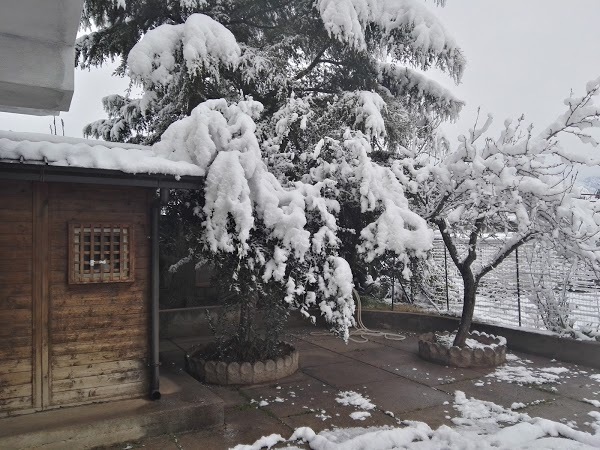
point(564, 410)
point(400, 395)
point(430, 374)
point(297, 398)
point(318, 356)
point(166, 345)
point(501, 393)
point(339, 346)
point(347, 374)
point(338, 416)
point(166, 442)
point(174, 359)
point(579, 386)
point(242, 425)
point(386, 358)
point(434, 416)
point(410, 344)
point(230, 395)
point(188, 342)
point(185, 405)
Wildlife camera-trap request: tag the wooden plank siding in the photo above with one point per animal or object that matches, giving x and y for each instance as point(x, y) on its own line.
point(65, 344)
point(99, 333)
point(16, 296)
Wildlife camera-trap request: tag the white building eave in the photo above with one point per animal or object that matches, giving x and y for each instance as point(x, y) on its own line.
point(37, 40)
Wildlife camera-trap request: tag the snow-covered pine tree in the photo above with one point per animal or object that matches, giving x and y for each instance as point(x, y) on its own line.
point(296, 110)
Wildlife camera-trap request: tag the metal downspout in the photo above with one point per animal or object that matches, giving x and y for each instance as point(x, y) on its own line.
point(154, 314)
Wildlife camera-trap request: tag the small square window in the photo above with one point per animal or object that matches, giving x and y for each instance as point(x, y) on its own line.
point(100, 253)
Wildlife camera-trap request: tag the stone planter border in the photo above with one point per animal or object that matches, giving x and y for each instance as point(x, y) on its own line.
point(219, 372)
point(535, 342)
point(493, 354)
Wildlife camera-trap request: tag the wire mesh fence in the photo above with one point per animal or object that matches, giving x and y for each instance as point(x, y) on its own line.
point(532, 288)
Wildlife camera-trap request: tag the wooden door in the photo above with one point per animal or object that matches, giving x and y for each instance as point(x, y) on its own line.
point(63, 344)
point(23, 341)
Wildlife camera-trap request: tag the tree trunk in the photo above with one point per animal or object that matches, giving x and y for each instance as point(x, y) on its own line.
point(470, 290)
point(247, 316)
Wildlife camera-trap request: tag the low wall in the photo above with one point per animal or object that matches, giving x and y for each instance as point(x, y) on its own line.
point(537, 343)
point(182, 322)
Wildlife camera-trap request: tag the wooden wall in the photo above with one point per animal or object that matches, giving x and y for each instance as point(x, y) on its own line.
point(64, 344)
point(16, 296)
point(99, 333)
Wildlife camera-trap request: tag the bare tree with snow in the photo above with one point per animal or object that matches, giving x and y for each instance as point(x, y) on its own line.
point(506, 192)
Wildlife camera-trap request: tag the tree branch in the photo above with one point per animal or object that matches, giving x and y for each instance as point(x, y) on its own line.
point(312, 65)
point(472, 255)
point(502, 256)
point(449, 243)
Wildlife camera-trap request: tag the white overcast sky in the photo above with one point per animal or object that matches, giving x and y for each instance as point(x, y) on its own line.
point(524, 56)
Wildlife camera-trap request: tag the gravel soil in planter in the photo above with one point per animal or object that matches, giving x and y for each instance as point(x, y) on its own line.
point(482, 350)
point(226, 373)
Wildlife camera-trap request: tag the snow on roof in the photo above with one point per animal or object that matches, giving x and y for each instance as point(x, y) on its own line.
point(33, 148)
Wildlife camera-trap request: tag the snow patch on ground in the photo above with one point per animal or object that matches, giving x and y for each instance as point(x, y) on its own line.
point(481, 427)
point(522, 374)
point(360, 415)
point(595, 403)
point(351, 398)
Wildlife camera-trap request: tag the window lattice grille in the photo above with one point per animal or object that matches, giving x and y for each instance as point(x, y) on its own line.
point(100, 253)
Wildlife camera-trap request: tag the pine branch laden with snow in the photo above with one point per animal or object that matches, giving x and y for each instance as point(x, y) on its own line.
point(204, 44)
point(421, 95)
point(269, 50)
point(425, 40)
point(379, 195)
point(248, 213)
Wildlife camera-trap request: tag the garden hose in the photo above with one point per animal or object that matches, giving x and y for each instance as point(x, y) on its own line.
point(360, 333)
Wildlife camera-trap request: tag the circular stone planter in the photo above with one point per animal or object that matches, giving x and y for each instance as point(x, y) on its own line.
point(219, 372)
point(491, 354)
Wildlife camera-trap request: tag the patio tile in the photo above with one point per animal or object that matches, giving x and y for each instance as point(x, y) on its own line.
point(430, 374)
point(579, 386)
point(230, 395)
point(434, 416)
point(166, 345)
point(242, 426)
point(386, 358)
point(318, 356)
point(410, 344)
point(504, 394)
point(400, 395)
point(338, 416)
point(564, 410)
point(187, 343)
point(175, 359)
point(339, 346)
point(298, 397)
point(346, 374)
point(165, 442)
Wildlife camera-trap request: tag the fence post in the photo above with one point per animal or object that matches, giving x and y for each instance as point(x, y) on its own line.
point(393, 284)
point(446, 270)
point(518, 285)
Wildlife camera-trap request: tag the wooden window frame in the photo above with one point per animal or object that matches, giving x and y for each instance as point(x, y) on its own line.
point(122, 276)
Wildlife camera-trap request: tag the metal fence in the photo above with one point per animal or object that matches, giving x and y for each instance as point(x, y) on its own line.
point(530, 289)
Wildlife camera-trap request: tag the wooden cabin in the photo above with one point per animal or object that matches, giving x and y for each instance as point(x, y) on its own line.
point(78, 269)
